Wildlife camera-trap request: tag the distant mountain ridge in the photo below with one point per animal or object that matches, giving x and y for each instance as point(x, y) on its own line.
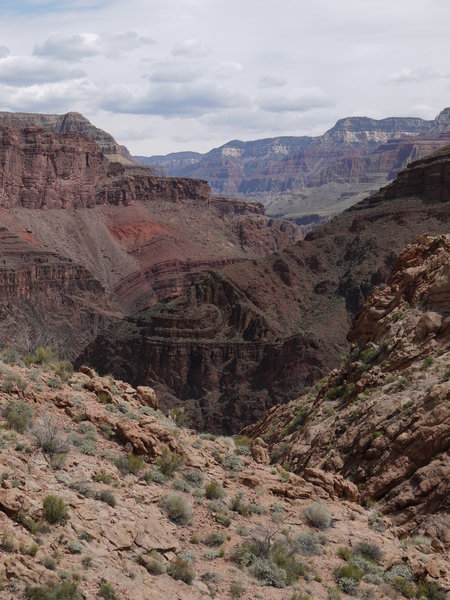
point(288, 173)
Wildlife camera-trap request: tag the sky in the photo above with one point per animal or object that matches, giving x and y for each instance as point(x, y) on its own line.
point(170, 75)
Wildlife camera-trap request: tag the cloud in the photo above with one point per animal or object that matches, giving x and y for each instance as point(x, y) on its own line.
point(271, 82)
point(415, 75)
point(87, 45)
point(301, 100)
point(182, 100)
point(173, 71)
point(4, 52)
point(47, 98)
point(191, 49)
point(23, 71)
point(33, 7)
point(228, 68)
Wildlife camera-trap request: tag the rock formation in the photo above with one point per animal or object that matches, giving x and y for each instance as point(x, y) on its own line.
point(88, 238)
point(383, 420)
point(254, 334)
point(297, 177)
point(103, 497)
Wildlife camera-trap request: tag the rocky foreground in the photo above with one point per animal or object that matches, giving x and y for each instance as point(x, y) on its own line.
point(103, 496)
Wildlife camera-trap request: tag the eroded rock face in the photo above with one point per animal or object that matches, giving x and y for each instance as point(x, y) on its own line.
point(240, 340)
point(383, 419)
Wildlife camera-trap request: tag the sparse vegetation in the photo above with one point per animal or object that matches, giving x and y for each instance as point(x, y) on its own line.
point(318, 515)
point(169, 462)
point(180, 569)
point(131, 463)
point(177, 507)
point(107, 591)
point(55, 509)
point(66, 590)
point(214, 491)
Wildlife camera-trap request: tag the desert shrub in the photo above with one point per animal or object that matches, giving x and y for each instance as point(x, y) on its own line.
point(169, 462)
point(155, 563)
point(177, 507)
point(107, 591)
point(107, 497)
point(431, 590)
point(64, 369)
point(55, 509)
point(43, 355)
point(237, 505)
point(194, 477)
point(349, 571)
point(30, 550)
point(74, 546)
point(180, 569)
point(103, 477)
point(50, 436)
point(49, 563)
point(223, 518)
point(215, 538)
point(335, 392)
point(85, 445)
point(89, 430)
point(233, 462)
point(19, 416)
point(236, 590)
point(427, 362)
point(154, 476)
point(181, 485)
point(368, 551)
point(82, 487)
point(344, 552)
point(66, 590)
point(298, 420)
point(348, 585)
point(214, 553)
point(268, 572)
point(307, 544)
point(131, 463)
point(334, 594)
point(369, 355)
point(318, 515)
point(7, 543)
point(214, 491)
point(399, 570)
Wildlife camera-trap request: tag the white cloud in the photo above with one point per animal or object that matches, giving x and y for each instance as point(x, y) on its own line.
point(87, 45)
point(22, 71)
point(301, 100)
point(228, 68)
point(415, 75)
point(4, 52)
point(173, 71)
point(269, 81)
point(191, 48)
point(181, 100)
point(51, 97)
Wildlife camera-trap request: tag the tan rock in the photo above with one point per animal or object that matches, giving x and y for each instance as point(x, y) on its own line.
point(147, 396)
point(260, 451)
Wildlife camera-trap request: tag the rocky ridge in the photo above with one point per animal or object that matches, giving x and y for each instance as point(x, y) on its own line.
point(241, 340)
point(382, 420)
point(142, 508)
point(97, 236)
point(299, 176)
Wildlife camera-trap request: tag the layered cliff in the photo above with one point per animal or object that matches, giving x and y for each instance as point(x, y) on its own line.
point(139, 237)
point(257, 333)
point(297, 176)
point(383, 418)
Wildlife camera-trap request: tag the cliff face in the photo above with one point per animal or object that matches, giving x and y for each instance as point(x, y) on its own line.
point(383, 418)
point(136, 237)
point(71, 122)
point(357, 155)
point(256, 333)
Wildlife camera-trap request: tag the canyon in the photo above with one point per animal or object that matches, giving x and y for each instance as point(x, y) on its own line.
point(240, 340)
point(308, 178)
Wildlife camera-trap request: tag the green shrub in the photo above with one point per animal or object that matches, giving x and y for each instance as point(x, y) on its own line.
point(19, 416)
point(431, 590)
point(344, 552)
point(107, 497)
point(307, 544)
point(348, 585)
point(55, 509)
point(50, 436)
point(66, 590)
point(237, 505)
point(267, 571)
point(348, 571)
point(177, 507)
point(107, 591)
point(223, 518)
point(180, 569)
point(155, 564)
point(298, 420)
point(368, 551)
point(43, 355)
point(30, 550)
point(233, 462)
point(169, 462)
point(103, 477)
point(334, 594)
point(74, 547)
point(131, 463)
point(214, 491)
point(194, 477)
point(427, 362)
point(7, 543)
point(215, 538)
point(64, 369)
point(236, 590)
point(318, 515)
point(335, 392)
